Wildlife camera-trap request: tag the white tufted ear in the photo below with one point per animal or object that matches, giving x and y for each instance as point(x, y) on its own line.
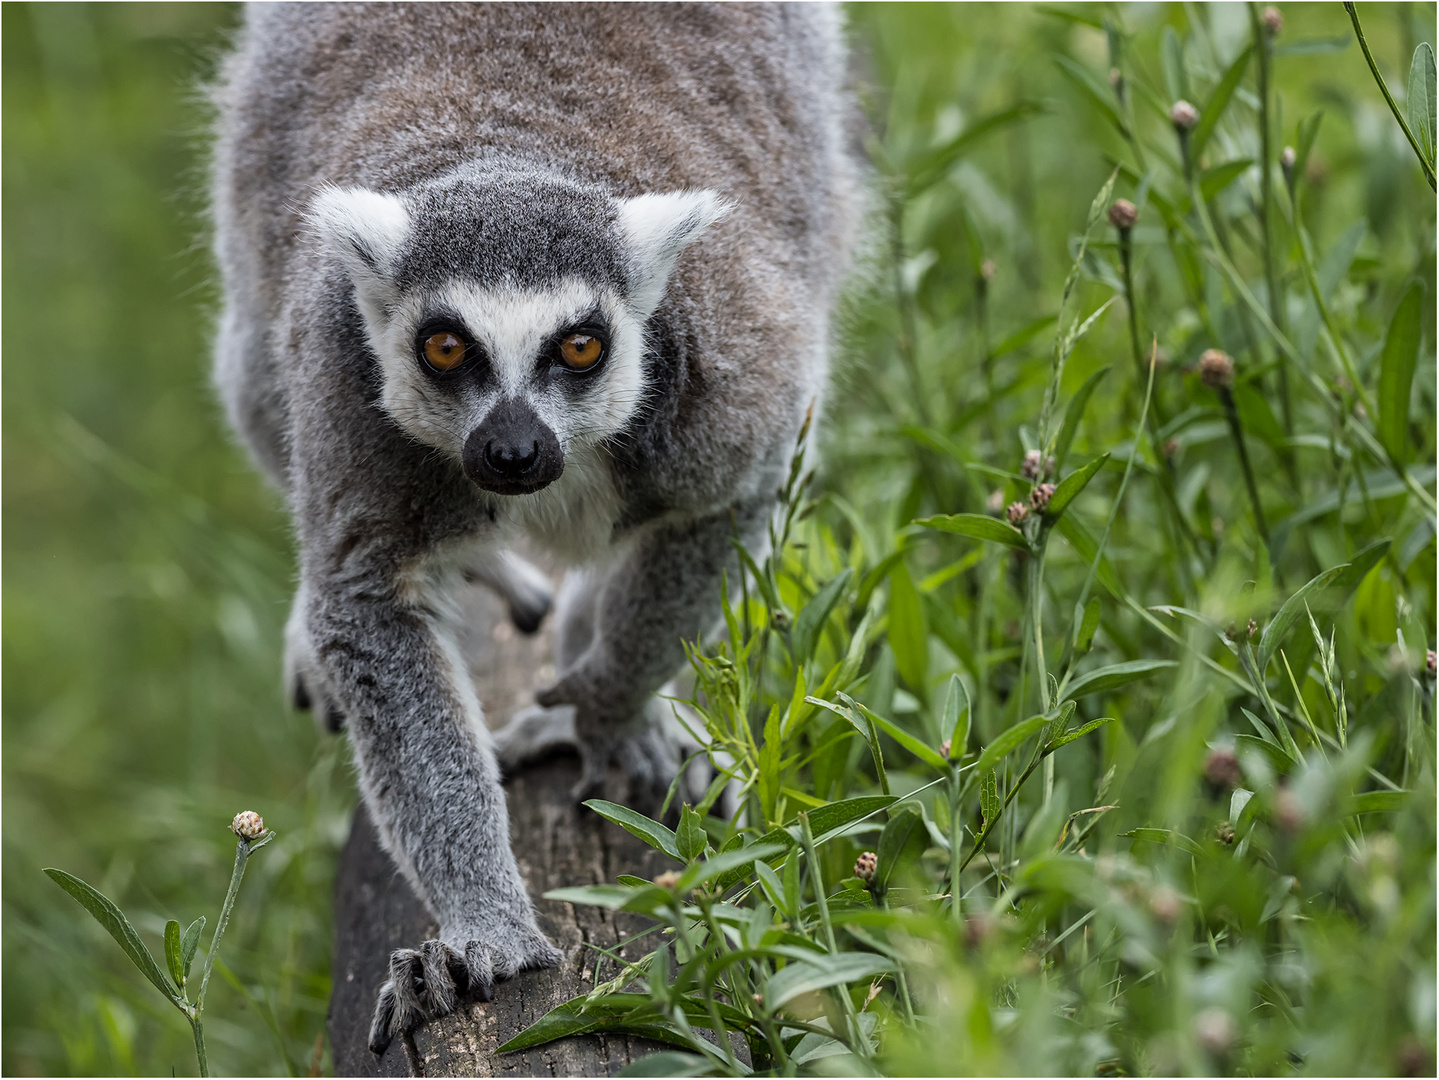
point(657, 228)
point(365, 230)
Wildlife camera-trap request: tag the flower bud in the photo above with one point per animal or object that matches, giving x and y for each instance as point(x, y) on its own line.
point(865, 865)
point(1252, 628)
point(1040, 496)
point(1123, 214)
point(1166, 904)
point(1216, 369)
point(1183, 116)
point(667, 880)
point(1224, 833)
point(986, 269)
point(1171, 447)
point(1032, 464)
point(1017, 512)
point(1221, 768)
point(1430, 661)
point(1215, 1030)
point(1273, 20)
point(944, 749)
point(248, 825)
point(995, 502)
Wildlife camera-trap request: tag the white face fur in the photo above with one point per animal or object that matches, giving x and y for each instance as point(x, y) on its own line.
point(514, 328)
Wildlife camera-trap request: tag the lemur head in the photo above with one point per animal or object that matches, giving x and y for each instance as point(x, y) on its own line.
point(507, 309)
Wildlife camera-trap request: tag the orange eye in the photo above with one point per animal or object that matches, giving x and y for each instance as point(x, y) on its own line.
point(444, 350)
point(581, 351)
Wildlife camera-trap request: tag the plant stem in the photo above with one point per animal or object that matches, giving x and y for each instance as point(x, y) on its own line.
point(197, 1028)
point(858, 1042)
point(242, 854)
point(1263, 51)
point(1384, 89)
point(1237, 430)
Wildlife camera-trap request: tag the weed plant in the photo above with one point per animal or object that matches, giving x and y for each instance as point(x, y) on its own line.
point(1134, 773)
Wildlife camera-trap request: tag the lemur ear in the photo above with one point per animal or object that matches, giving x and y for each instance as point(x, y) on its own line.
point(657, 228)
point(364, 229)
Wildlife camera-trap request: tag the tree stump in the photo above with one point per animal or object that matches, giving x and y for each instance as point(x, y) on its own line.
point(556, 844)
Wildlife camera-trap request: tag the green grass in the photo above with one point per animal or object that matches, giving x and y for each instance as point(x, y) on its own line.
point(146, 577)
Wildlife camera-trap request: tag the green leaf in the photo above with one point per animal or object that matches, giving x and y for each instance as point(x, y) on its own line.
point(651, 832)
point(1304, 141)
point(1011, 740)
point(1218, 101)
point(908, 634)
point(938, 162)
point(629, 1013)
point(990, 804)
point(188, 945)
point(807, 976)
point(1171, 58)
point(836, 815)
point(903, 833)
point(113, 920)
point(1165, 836)
point(1278, 759)
point(956, 719)
point(810, 621)
point(172, 952)
point(1380, 802)
point(1088, 624)
point(979, 527)
point(1213, 181)
point(919, 749)
point(1115, 675)
point(773, 888)
point(669, 1063)
point(1078, 733)
point(1101, 97)
point(1071, 486)
point(1396, 372)
point(1420, 101)
point(1073, 413)
point(721, 865)
point(691, 838)
point(1342, 578)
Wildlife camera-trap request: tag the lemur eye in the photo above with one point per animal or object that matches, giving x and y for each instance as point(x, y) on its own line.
point(443, 350)
point(581, 351)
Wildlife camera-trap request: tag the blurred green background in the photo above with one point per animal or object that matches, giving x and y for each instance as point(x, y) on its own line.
point(147, 570)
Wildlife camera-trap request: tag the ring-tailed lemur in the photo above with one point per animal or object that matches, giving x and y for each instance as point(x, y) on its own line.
point(564, 271)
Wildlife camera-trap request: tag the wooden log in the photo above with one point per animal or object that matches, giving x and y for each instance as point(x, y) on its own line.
point(556, 844)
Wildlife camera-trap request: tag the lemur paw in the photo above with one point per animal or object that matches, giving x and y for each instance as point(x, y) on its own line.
point(428, 982)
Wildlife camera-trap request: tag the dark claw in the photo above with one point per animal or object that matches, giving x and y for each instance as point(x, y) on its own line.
point(380, 1036)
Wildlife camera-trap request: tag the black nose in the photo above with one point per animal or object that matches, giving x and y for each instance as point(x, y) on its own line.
point(512, 451)
point(510, 460)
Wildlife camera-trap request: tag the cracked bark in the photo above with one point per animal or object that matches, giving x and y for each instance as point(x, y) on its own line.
point(556, 844)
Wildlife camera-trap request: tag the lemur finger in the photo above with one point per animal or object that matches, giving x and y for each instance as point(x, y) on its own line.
point(381, 1033)
point(437, 992)
point(479, 970)
point(406, 975)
